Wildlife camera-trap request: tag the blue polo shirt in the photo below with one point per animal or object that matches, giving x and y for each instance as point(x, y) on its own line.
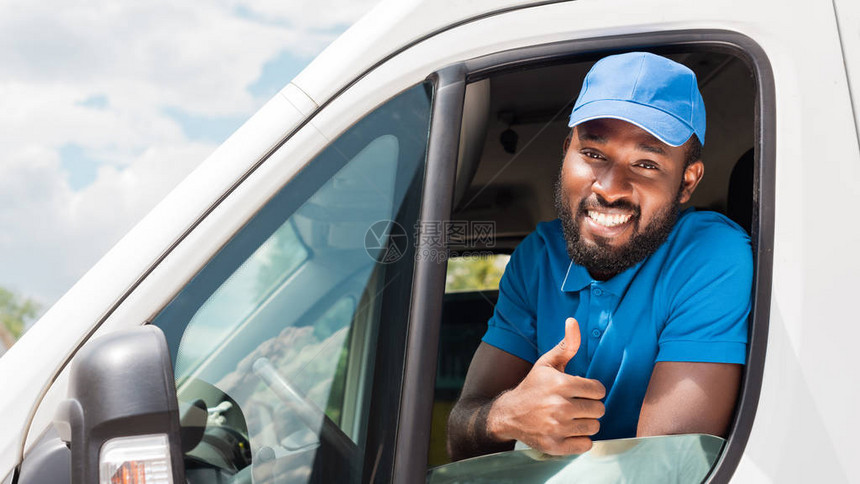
point(688, 301)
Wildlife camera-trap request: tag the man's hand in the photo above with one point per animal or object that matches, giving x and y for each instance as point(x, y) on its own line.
point(550, 410)
point(506, 398)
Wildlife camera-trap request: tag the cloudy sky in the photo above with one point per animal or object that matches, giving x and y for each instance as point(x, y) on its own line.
point(105, 106)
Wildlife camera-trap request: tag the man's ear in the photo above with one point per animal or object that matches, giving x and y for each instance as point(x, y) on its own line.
point(692, 176)
point(566, 144)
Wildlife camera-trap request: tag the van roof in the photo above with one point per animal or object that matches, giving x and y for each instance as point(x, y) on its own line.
point(387, 29)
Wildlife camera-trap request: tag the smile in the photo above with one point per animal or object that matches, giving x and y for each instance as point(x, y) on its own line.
point(608, 219)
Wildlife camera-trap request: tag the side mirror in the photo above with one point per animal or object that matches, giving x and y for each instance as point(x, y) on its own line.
point(121, 417)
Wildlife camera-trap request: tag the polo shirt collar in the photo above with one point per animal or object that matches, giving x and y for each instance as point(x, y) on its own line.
point(578, 278)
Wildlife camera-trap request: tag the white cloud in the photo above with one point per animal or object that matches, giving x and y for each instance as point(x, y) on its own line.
point(140, 60)
point(308, 16)
point(52, 234)
point(51, 115)
point(200, 56)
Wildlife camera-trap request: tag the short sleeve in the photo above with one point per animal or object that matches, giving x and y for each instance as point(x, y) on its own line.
point(512, 327)
point(709, 292)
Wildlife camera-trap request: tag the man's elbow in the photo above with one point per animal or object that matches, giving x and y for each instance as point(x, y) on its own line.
point(467, 435)
point(452, 434)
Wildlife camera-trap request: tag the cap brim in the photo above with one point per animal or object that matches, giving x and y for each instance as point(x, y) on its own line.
point(662, 125)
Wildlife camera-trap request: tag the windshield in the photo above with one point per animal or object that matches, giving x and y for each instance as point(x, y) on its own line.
point(664, 459)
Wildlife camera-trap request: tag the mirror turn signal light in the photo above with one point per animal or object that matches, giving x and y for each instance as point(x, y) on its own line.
point(142, 459)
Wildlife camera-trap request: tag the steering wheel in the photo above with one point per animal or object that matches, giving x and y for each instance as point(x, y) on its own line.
point(309, 414)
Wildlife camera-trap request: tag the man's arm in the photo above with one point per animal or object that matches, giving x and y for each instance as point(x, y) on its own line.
point(708, 300)
point(506, 398)
point(491, 372)
point(686, 397)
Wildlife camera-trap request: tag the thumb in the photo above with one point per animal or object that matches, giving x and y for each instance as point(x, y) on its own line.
point(566, 349)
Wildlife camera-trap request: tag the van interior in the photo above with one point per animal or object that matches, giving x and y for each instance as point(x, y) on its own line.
point(510, 153)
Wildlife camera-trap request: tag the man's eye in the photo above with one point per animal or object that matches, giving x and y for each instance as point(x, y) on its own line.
point(593, 155)
point(647, 166)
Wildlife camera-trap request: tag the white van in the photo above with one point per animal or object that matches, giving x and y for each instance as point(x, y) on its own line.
point(298, 275)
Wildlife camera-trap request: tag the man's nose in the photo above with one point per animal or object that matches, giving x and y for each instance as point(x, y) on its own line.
point(612, 183)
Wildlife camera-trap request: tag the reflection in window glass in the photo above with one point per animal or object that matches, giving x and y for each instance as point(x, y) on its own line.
point(275, 339)
point(236, 299)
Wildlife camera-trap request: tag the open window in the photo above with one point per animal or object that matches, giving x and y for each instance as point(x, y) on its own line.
point(510, 151)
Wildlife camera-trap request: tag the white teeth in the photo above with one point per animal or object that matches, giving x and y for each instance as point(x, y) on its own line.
point(608, 220)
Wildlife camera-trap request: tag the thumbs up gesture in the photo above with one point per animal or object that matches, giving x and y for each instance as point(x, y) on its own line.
point(565, 350)
point(550, 410)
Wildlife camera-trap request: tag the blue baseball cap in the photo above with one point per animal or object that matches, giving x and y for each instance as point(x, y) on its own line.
point(654, 93)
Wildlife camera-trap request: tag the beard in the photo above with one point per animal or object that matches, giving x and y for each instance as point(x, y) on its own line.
point(601, 258)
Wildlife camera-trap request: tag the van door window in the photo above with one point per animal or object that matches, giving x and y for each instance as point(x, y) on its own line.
point(510, 185)
point(275, 339)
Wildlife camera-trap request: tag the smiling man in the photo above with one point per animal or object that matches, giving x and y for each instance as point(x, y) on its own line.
point(624, 317)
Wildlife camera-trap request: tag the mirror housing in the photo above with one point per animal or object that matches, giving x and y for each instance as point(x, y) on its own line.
point(122, 393)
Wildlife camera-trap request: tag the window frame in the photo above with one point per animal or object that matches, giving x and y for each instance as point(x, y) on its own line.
point(412, 443)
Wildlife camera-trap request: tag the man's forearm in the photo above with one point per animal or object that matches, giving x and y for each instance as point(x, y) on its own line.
point(468, 430)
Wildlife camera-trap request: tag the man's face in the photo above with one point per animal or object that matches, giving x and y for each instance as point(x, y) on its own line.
point(618, 194)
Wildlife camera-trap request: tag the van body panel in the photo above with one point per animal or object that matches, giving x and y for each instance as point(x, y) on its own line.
point(807, 409)
point(384, 31)
point(816, 171)
point(848, 16)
